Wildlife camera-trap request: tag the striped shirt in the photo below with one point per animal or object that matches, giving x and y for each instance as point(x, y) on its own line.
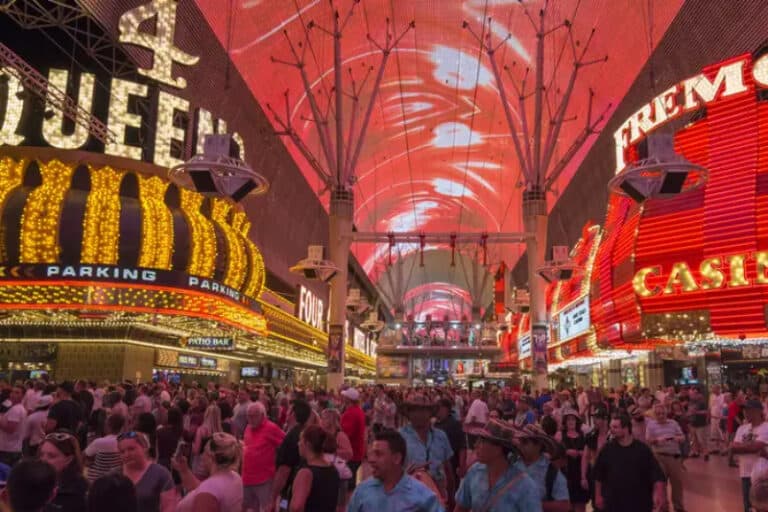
point(105, 455)
point(664, 432)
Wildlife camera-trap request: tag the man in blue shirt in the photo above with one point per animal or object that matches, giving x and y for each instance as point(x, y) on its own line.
point(427, 445)
point(511, 489)
point(390, 489)
point(532, 442)
point(525, 415)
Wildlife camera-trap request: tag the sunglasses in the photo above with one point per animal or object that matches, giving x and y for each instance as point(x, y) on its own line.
point(140, 437)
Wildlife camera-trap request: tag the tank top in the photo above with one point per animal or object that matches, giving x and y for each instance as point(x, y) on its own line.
point(324, 494)
point(225, 486)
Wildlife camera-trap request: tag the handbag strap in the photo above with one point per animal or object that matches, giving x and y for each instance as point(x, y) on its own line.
point(501, 492)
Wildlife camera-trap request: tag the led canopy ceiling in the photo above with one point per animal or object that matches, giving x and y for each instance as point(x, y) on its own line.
point(437, 155)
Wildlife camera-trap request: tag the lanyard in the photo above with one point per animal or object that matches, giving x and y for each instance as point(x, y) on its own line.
point(430, 439)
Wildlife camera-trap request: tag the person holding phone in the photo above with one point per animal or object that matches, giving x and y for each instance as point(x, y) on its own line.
point(665, 436)
point(222, 491)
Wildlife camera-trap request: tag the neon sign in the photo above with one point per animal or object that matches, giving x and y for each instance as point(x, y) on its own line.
point(310, 309)
point(686, 96)
point(711, 275)
point(122, 119)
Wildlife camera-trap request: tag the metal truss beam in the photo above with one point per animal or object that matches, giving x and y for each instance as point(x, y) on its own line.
point(415, 237)
point(37, 84)
point(74, 19)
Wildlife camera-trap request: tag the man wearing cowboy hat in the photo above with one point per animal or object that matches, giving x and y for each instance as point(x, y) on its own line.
point(512, 489)
point(532, 442)
point(426, 444)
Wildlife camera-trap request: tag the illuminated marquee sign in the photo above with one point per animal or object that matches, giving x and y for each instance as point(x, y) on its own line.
point(689, 95)
point(164, 111)
point(187, 361)
point(210, 343)
point(573, 319)
point(734, 271)
point(524, 346)
point(310, 309)
point(113, 274)
point(208, 362)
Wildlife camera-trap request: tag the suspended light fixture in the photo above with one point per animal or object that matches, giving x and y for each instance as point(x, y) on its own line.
point(373, 324)
point(219, 171)
point(314, 266)
point(660, 173)
point(560, 267)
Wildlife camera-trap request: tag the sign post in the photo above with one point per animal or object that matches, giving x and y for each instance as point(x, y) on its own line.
point(539, 342)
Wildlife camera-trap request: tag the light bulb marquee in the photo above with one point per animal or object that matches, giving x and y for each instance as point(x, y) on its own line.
point(22, 123)
point(102, 277)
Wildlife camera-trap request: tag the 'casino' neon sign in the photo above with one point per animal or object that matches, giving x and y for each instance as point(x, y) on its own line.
point(734, 271)
point(687, 96)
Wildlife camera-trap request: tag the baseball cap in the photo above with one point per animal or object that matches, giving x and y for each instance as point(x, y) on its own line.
point(351, 394)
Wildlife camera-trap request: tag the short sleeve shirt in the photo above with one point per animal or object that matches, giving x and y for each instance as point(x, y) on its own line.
point(698, 406)
point(521, 496)
point(288, 455)
point(408, 495)
point(155, 481)
point(538, 473)
point(746, 434)
point(68, 415)
point(435, 451)
point(628, 474)
point(12, 442)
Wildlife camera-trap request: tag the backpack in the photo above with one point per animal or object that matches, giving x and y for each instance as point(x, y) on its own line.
point(549, 481)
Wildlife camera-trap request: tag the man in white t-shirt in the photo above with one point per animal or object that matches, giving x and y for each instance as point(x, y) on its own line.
point(716, 403)
point(11, 428)
point(32, 395)
point(751, 438)
point(478, 411)
point(143, 402)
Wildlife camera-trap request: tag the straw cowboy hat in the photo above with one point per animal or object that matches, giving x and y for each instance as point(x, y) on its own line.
point(497, 431)
point(536, 433)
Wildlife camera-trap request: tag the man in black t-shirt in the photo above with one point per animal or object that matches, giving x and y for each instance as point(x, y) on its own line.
point(65, 414)
point(628, 477)
point(698, 412)
point(288, 459)
point(452, 427)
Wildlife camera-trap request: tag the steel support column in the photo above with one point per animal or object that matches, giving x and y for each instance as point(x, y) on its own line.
point(535, 221)
point(340, 227)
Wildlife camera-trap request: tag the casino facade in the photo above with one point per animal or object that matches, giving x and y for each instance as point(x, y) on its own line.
point(107, 269)
point(674, 291)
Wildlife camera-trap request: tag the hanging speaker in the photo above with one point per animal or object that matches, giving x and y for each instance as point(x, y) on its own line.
point(673, 182)
point(629, 189)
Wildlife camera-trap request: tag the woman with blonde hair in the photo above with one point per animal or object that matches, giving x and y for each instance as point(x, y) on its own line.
point(222, 491)
point(211, 425)
point(330, 420)
point(337, 450)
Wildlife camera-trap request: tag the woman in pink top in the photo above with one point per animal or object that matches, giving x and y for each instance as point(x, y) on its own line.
point(260, 439)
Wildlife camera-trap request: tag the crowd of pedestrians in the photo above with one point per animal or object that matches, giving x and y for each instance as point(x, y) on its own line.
point(162, 447)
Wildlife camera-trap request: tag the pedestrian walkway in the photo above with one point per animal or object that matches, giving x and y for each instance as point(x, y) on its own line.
point(712, 486)
point(709, 486)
